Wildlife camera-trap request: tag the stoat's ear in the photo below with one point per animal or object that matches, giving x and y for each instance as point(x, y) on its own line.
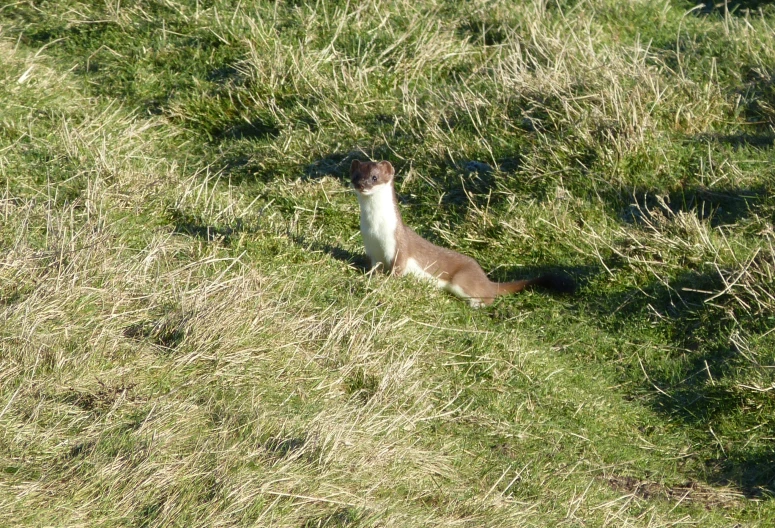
point(387, 167)
point(354, 166)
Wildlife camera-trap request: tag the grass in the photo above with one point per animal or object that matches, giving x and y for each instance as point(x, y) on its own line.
point(188, 336)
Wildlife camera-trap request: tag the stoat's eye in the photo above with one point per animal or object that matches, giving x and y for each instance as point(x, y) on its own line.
point(374, 178)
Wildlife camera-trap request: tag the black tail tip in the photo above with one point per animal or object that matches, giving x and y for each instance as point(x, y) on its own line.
point(558, 283)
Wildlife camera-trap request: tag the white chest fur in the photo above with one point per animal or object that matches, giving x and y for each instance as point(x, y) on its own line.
point(378, 225)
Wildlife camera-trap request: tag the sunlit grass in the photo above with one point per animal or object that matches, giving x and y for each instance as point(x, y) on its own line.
point(187, 333)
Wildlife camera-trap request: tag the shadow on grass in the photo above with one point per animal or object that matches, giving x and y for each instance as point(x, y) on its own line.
point(568, 279)
point(566, 282)
point(469, 181)
point(696, 380)
point(724, 206)
point(336, 165)
point(194, 226)
point(738, 8)
point(240, 166)
point(474, 183)
point(758, 100)
point(761, 141)
point(358, 261)
point(256, 129)
point(167, 331)
point(340, 518)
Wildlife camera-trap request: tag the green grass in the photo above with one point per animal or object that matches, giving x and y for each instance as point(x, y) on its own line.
point(187, 333)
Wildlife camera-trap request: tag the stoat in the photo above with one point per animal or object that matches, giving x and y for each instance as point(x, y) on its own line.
point(393, 245)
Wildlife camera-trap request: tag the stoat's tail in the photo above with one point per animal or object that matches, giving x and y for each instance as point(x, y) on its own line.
point(553, 282)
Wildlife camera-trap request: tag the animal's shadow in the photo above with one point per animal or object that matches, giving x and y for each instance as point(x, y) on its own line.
point(560, 280)
point(358, 261)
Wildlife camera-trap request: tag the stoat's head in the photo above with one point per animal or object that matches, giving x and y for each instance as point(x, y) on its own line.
point(368, 177)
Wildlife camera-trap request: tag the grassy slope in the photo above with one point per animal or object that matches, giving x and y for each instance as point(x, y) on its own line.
point(187, 337)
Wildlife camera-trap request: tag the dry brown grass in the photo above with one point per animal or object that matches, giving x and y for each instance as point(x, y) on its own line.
point(185, 344)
